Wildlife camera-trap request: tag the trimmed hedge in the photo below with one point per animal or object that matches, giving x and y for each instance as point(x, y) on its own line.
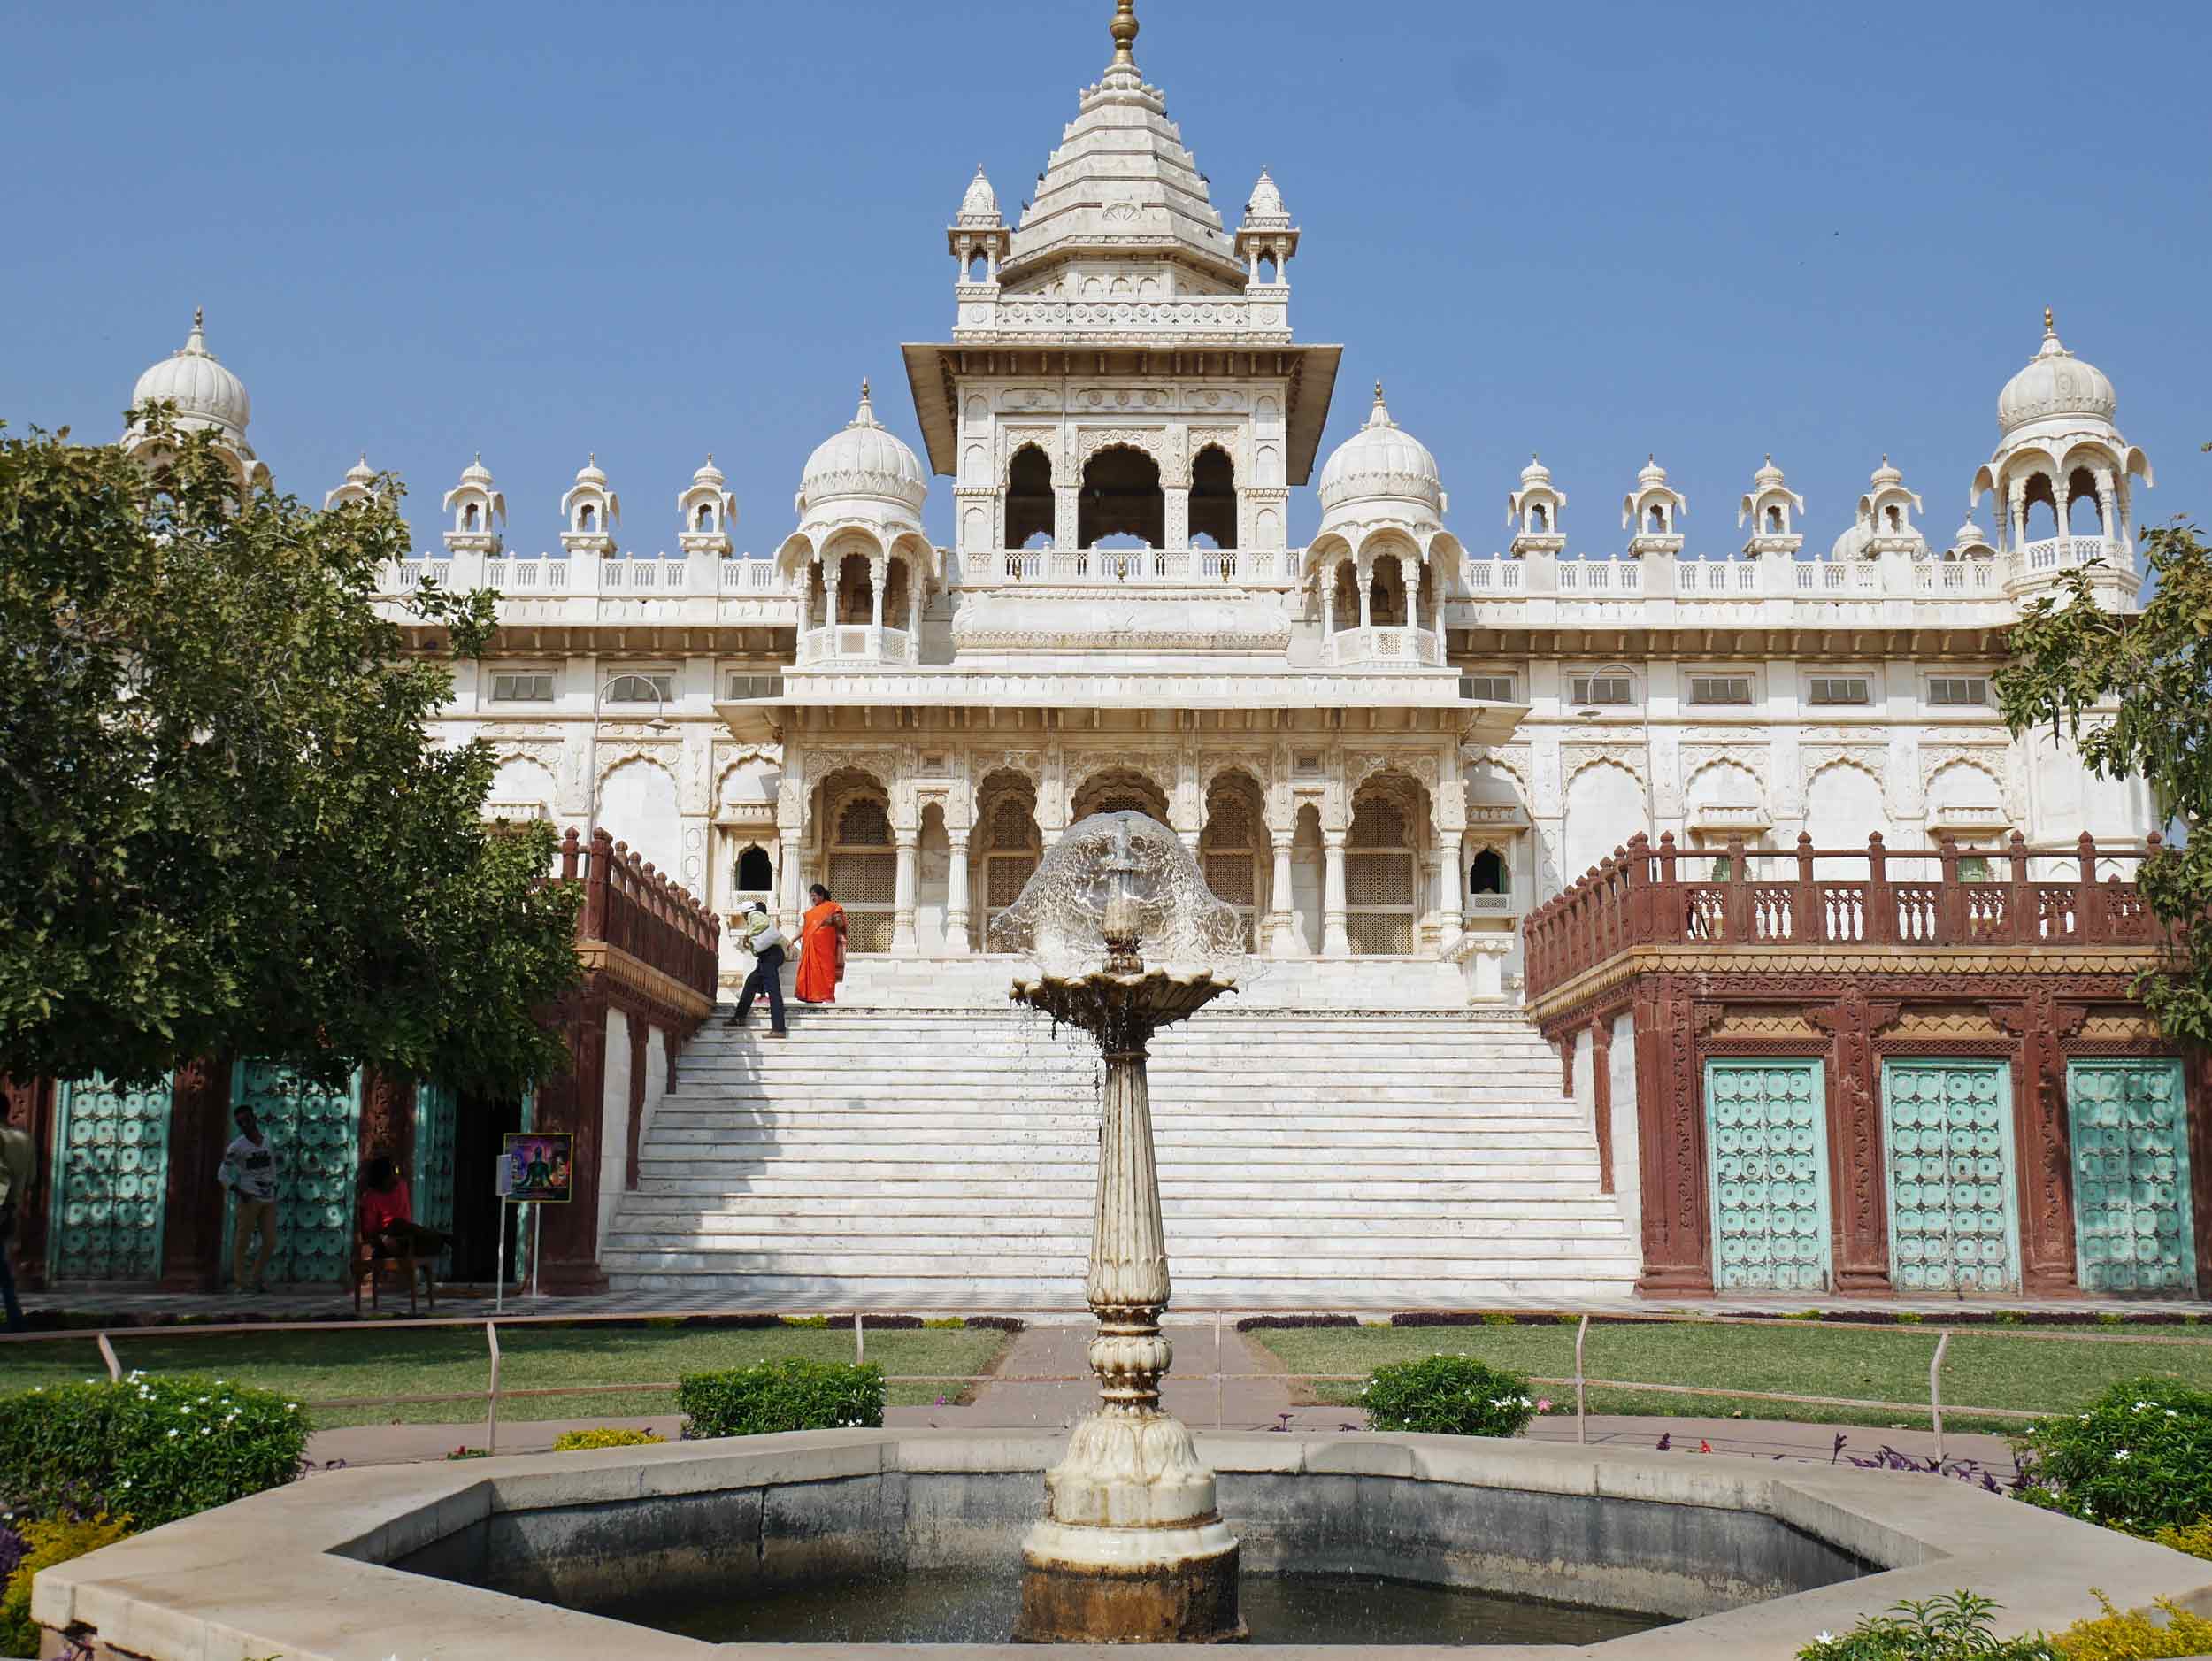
point(55, 1541)
point(1448, 1396)
point(152, 1450)
point(771, 1397)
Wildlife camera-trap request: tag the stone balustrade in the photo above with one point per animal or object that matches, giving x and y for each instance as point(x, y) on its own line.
point(564, 574)
point(1136, 567)
point(843, 643)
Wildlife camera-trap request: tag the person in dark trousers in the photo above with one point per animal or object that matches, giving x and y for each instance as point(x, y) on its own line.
point(766, 942)
point(19, 1163)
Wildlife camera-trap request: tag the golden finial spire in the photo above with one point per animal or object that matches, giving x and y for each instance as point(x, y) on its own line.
point(1125, 33)
point(2050, 323)
point(199, 315)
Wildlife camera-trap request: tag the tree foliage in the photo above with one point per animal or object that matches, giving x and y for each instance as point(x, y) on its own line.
point(223, 827)
point(2133, 692)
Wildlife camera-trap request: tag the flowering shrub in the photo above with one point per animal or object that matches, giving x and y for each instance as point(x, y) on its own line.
point(584, 1441)
point(775, 1396)
point(1449, 1396)
point(2136, 1635)
point(57, 1540)
point(2138, 1459)
point(1956, 1627)
point(2195, 1539)
point(154, 1450)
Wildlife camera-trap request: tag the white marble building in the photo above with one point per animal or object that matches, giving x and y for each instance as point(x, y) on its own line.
point(1386, 744)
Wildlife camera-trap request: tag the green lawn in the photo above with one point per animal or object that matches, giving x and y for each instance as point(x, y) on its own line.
point(1981, 1369)
point(320, 1366)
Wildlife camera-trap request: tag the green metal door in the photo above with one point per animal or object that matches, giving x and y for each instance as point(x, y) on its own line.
point(432, 1181)
point(1953, 1225)
point(2132, 1218)
point(317, 1136)
point(111, 1185)
point(1766, 1124)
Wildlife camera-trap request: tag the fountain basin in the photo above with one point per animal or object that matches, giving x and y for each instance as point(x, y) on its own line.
point(477, 1559)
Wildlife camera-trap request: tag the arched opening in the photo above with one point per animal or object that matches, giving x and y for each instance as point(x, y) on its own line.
point(755, 872)
point(1896, 521)
point(1774, 521)
point(1656, 521)
point(861, 858)
point(1489, 874)
point(1605, 807)
point(637, 805)
point(978, 266)
point(896, 596)
point(471, 516)
point(1232, 850)
point(584, 517)
point(1030, 508)
point(1382, 870)
point(2042, 517)
point(2081, 504)
point(1268, 269)
point(818, 612)
point(1539, 518)
point(1213, 496)
point(1346, 604)
point(1009, 848)
point(1120, 790)
point(856, 594)
point(1387, 592)
point(705, 520)
point(1122, 496)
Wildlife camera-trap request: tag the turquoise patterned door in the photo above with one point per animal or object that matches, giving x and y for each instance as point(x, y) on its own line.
point(317, 1136)
point(2132, 1213)
point(1766, 1124)
point(111, 1190)
point(1947, 1125)
point(431, 1182)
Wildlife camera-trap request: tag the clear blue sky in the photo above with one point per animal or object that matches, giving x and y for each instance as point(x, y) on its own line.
point(654, 230)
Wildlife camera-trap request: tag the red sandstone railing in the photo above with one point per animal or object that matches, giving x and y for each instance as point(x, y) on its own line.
point(635, 909)
point(1875, 895)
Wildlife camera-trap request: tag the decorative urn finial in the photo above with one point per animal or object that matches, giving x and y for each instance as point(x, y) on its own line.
point(1125, 33)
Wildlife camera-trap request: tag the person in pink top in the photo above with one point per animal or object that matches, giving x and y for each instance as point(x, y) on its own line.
point(388, 1228)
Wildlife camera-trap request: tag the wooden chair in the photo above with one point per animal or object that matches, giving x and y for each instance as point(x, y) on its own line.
point(371, 1267)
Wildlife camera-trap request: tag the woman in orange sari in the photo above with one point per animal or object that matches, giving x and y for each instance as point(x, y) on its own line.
point(821, 949)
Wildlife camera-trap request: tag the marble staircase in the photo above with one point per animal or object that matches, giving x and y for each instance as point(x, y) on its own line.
point(943, 1160)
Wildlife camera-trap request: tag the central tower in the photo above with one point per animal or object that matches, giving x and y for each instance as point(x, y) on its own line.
point(1122, 369)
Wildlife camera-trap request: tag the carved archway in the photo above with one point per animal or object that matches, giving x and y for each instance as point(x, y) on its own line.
point(1232, 849)
point(1382, 866)
point(1119, 789)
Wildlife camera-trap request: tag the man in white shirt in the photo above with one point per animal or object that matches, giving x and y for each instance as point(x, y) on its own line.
point(759, 936)
point(249, 1172)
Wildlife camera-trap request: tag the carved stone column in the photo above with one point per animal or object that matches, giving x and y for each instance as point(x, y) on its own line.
point(791, 876)
point(199, 1130)
point(956, 909)
point(1857, 1160)
point(574, 1101)
point(907, 842)
point(1602, 1095)
point(1282, 922)
point(1670, 1144)
point(1335, 936)
point(641, 1036)
point(29, 1106)
point(2043, 1139)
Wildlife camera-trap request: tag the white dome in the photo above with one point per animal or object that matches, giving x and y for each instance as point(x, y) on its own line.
point(1852, 544)
point(1266, 206)
point(709, 474)
point(1535, 472)
point(2055, 382)
point(1382, 460)
point(1652, 473)
point(477, 474)
point(590, 474)
point(1885, 476)
point(980, 206)
point(361, 474)
point(1766, 478)
point(204, 391)
point(866, 459)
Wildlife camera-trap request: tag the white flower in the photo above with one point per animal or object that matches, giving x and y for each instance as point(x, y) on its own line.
point(173, 1435)
point(2171, 1414)
point(2123, 1454)
point(1818, 1637)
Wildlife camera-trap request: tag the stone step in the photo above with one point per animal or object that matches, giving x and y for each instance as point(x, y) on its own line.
point(838, 1261)
point(967, 1294)
point(761, 1184)
point(886, 1213)
point(886, 1124)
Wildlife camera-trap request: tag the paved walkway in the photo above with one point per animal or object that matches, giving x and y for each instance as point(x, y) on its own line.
point(1045, 1384)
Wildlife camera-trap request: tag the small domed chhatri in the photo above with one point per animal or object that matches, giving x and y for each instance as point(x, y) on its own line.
point(1382, 461)
point(205, 393)
point(980, 206)
point(866, 458)
point(2055, 383)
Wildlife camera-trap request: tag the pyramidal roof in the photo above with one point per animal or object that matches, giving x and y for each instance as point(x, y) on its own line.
point(1121, 182)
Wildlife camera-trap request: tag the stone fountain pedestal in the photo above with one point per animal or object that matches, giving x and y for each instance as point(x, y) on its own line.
point(1132, 1548)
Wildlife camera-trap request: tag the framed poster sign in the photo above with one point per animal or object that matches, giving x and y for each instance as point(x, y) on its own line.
point(537, 1167)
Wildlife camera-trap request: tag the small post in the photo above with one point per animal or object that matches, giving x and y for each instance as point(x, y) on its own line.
point(1582, 1423)
point(1736, 899)
point(499, 1264)
point(1935, 1392)
point(537, 1235)
point(107, 1353)
point(860, 1340)
point(491, 1396)
point(1808, 926)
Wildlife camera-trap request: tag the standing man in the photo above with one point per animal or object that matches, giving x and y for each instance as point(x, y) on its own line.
point(19, 1163)
point(766, 942)
point(250, 1172)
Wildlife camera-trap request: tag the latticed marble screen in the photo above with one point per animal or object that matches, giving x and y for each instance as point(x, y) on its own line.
point(437, 1114)
point(1380, 933)
point(1947, 1126)
point(1766, 1129)
point(1233, 878)
point(317, 1136)
point(2132, 1217)
point(111, 1189)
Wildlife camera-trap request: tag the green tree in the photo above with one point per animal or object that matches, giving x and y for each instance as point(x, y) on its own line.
point(224, 827)
point(2133, 691)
